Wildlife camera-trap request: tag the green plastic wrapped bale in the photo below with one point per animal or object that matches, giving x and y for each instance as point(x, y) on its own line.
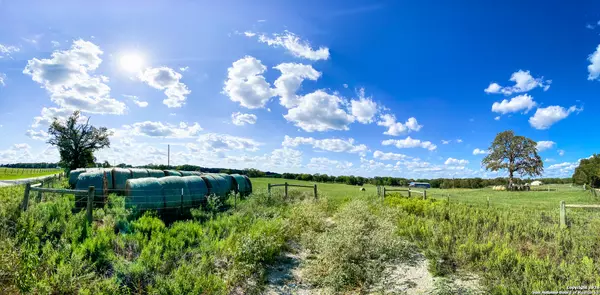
point(172, 173)
point(249, 183)
point(230, 182)
point(73, 175)
point(84, 181)
point(197, 188)
point(144, 194)
point(120, 177)
point(175, 192)
point(197, 173)
point(139, 173)
point(218, 185)
point(156, 173)
point(242, 185)
point(186, 173)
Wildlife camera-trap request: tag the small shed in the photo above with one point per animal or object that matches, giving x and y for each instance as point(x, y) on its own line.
point(419, 184)
point(536, 183)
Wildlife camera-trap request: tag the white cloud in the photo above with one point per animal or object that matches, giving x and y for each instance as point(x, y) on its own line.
point(159, 129)
point(6, 50)
point(294, 45)
point(545, 145)
point(329, 144)
point(319, 111)
point(364, 109)
point(523, 82)
point(2, 78)
point(55, 43)
point(184, 69)
point(480, 152)
point(167, 79)
point(48, 114)
point(17, 153)
point(37, 135)
point(446, 141)
point(141, 104)
point(240, 119)
point(497, 118)
point(594, 67)
point(459, 140)
point(456, 162)
point(518, 103)
point(246, 85)
point(223, 142)
point(345, 85)
point(67, 77)
point(409, 142)
point(389, 156)
point(561, 152)
point(292, 75)
point(324, 164)
point(549, 160)
point(546, 117)
point(397, 128)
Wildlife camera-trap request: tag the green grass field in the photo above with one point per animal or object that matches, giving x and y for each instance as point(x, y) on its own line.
point(477, 197)
point(20, 173)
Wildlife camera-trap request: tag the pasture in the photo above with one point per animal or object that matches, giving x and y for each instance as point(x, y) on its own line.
point(20, 173)
point(346, 242)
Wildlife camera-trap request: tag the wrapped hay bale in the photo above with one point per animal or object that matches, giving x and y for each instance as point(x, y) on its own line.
point(231, 184)
point(216, 184)
point(156, 173)
point(175, 192)
point(119, 178)
point(73, 175)
point(172, 173)
point(186, 173)
point(197, 188)
point(87, 179)
point(144, 194)
point(249, 183)
point(242, 185)
point(139, 173)
point(197, 173)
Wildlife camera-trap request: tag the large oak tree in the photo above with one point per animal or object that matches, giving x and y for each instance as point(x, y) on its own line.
point(514, 153)
point(77, 142)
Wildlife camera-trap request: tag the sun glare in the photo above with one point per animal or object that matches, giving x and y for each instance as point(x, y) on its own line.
point(132, 62)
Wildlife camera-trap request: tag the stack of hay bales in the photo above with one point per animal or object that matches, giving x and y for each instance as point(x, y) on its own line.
point(231, 183)
point(186, 173)
point(119, 179)
point(175, 192)
point(197, 188)
point(242, 185)
point(216, 184)
point(156, 173)
point(73, 175)
point(499, 187)
point(139, 173)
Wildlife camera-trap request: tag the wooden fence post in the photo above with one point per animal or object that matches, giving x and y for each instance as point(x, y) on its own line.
point(488, 202)
point(409, 192)
point(448, 198)
point(286, 190)
point(39, 195)
point(563, 215)
point(269, 189)
point(181, 203)
point(315, 192)
point(90, 204)
point(383, 196)
point(26, 197)
point(424, 194)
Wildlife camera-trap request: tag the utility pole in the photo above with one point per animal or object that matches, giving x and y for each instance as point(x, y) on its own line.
point(169, 155)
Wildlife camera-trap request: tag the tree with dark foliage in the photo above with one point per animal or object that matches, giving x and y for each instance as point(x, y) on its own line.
point(588, 171)
point(513, 153)
point(77, 142)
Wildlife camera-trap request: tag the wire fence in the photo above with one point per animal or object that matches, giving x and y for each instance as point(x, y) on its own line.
point(24, 171)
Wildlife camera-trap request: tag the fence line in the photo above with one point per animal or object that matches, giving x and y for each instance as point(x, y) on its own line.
point(286, 185)
point(563, 211)
point(382, 191)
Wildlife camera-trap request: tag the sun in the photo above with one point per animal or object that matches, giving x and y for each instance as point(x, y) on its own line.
point(131, 62)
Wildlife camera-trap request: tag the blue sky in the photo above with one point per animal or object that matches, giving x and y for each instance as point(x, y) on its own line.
point(344, 87)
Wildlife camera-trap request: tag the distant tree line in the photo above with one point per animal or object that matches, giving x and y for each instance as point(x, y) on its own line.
point(42, 165)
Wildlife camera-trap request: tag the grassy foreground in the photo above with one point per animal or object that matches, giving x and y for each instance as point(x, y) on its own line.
point(19, 173)
point(351, 237)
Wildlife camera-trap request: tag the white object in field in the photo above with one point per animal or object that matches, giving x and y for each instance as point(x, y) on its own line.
point(536, 183)
point(362, 189)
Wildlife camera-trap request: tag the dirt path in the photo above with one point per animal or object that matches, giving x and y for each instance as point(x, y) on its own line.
point(399, 277)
